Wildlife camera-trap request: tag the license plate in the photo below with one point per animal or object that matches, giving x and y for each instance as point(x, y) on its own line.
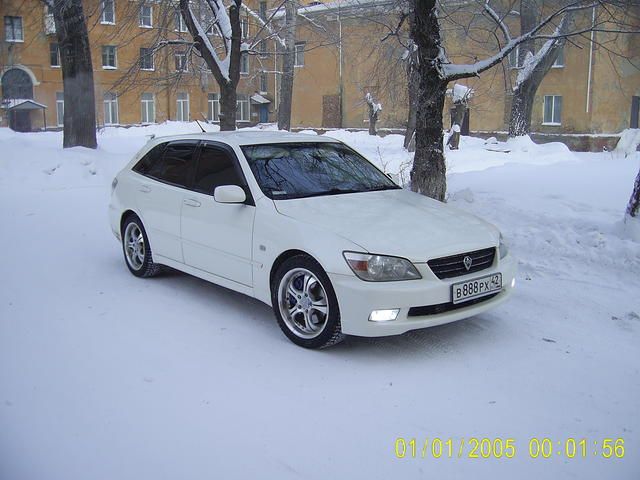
point(476, 288)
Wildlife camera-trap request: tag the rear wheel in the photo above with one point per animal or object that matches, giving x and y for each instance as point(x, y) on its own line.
point(305, 303)
point(136, 248)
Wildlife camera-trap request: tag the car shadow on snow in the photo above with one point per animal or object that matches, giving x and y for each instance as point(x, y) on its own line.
point(479, 331)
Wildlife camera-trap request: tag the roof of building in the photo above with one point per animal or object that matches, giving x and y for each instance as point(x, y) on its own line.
point(21, 104)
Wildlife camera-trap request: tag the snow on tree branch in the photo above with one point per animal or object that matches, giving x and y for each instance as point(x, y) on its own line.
point(375, 107)
point(450, 72)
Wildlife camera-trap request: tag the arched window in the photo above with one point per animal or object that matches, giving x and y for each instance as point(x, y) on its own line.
point(16, 83)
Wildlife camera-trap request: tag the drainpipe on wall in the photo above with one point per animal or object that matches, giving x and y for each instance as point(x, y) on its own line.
point(593, 23)
point(340, 65)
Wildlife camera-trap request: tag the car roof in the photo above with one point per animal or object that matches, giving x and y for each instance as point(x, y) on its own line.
point(248, 137)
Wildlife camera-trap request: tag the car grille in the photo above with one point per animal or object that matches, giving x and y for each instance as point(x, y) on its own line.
point(453, 266)
point(446, 307)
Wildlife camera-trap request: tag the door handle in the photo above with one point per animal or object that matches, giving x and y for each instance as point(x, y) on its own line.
point(191, 202)
point(144, 189)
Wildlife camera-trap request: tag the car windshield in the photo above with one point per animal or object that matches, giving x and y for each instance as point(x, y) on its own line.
point(297, 170)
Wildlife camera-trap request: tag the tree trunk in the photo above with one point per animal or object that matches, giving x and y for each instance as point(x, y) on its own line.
point(413, 80)
point(633, 208)
point(459, 110)
point(373, 119)
point(228, 107)
point(524, 93)
point(428, 174)
point(77, 75)
point(288, 66)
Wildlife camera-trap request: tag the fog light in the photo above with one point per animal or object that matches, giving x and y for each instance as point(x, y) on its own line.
point(513, 283)
point(384, 315)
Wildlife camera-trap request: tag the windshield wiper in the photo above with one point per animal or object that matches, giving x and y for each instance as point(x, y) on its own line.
point(332, 191)
point(383, 187)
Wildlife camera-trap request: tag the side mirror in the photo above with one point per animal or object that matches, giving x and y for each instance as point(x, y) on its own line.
point(229, 194)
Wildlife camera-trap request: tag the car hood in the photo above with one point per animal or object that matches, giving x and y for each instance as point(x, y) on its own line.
point(394, 222)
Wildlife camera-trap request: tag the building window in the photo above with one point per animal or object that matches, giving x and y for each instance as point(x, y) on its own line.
point(108, 12)
point(514, 58)
point(559, 63)
point(49, 22)
point(244, 28)
point(146, 59)
point(108, 57)
point(214, 107)
point(262, 46)
point(60, 108)
point(182, 113)
point(299, 55)
point(148, 105)
point(181, 61)
point(263, 82)
point(242, 108)
point(244, 63)
point(110, 109)
point(552, 110)
point(146, 16)
point(13, 29)
point(180, 25)
point(263, 10)
point(54, 54)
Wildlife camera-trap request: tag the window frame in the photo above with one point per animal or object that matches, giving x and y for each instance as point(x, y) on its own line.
point(59, 109)
point(248, 102)
point(298, 53)
point(147, 56)
point(144, 108)
point(103, 3)
point(236, 166)
point(180, 109)
point(561, 58)
point(179, 24)
point(516, 53)
point(184, 63)
point(49, 22)
point(115, 57)
point(553, 122)
point(111, 102)
point(141, 16)
point(213, 99)
point(12, 19)
point(190, 169)
point(244, 63)
point(57, 47)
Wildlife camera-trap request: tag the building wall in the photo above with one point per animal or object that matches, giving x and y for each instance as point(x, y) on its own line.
point(343, 60)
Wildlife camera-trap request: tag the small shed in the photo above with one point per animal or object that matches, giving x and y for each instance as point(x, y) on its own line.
point(19, 113)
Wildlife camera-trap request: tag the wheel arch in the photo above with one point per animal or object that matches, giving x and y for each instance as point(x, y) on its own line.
point(287, 254)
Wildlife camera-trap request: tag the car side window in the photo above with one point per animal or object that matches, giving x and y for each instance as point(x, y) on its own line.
point(216, 167)
point(152, 156)
point(175, 163)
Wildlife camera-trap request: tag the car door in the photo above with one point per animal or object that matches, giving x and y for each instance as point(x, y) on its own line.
point(161, 193)
point(217, 237)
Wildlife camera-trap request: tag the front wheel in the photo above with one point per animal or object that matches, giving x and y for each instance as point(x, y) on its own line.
point(305, 303)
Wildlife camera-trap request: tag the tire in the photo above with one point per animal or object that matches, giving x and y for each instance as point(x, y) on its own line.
point(136, 248)
point(305, 304)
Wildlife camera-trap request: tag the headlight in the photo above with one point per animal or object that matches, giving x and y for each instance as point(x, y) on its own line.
point(380, 268)
point(502, 248)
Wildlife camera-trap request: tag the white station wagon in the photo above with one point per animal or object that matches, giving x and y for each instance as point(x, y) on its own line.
point(310, 227)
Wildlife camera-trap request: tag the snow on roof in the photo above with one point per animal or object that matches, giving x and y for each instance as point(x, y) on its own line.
point(21, 104)
point(259, 99)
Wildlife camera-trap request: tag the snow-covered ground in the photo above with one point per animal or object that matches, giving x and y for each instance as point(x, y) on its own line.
point(106, 376)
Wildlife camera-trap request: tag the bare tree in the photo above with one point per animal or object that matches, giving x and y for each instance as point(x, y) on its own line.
point(288, 65)
point(460, 96)
point(373, 108)
point(535, 66)
point(77, 73)
point(436, 71)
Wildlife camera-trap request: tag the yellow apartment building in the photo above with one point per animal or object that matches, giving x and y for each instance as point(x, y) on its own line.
point(594, 87)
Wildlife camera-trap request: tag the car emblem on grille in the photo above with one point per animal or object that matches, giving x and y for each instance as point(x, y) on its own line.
point(467, 262)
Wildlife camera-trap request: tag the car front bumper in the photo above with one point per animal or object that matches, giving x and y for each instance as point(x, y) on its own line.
point(357, 299)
